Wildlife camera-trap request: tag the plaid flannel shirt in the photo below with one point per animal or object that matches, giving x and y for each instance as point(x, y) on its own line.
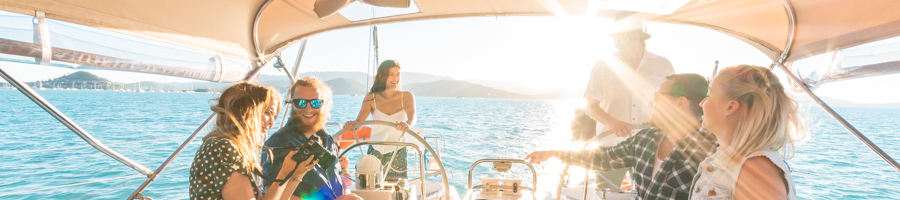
point(675, 176)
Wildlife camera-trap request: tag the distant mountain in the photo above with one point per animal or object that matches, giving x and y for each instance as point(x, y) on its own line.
point(77, 80)
point(537, 94)
point(346, 86)
point(347, 83)
point(281, 81)
point(512, 87)
point(416, 77)
point(455, 88)
point(80, 76)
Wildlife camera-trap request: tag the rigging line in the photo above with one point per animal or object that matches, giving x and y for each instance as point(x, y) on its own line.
point(81, 147)
point(82, 183)
point(369, 60)
point(846, 180)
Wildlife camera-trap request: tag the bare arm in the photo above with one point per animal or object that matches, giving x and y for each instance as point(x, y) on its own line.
point(760, 179)
point(238, 186)
point(410, 107)
point(364, 111)
point(594, 111)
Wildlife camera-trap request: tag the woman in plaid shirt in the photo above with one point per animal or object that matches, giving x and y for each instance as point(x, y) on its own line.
point(664, 158)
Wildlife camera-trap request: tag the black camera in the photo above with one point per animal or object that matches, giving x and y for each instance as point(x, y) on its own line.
point(313, 147)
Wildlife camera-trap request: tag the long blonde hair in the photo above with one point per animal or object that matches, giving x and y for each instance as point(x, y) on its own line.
point(238, 114)
point(770, 118)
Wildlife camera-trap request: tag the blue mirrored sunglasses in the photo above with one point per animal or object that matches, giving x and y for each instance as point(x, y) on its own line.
point(301, 103)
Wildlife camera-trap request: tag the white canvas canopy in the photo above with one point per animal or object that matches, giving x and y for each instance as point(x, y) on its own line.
point(256, 30)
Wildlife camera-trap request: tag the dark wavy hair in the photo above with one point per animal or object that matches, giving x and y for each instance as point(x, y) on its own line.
point(691, 86)
point(380, 83)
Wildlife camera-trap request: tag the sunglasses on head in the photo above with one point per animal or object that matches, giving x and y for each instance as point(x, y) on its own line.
point(301, 103)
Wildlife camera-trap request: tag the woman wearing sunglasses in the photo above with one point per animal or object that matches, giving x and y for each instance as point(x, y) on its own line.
point(757, 125)
point(386, 102)
point(226, 165)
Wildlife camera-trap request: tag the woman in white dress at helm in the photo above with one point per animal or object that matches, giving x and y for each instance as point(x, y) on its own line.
point(387, 102)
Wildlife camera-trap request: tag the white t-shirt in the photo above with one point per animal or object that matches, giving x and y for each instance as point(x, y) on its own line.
point(656, 166)
point(625, 93)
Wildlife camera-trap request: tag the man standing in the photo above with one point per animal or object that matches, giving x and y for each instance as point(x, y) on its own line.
point(311, 102)
point(620, 88)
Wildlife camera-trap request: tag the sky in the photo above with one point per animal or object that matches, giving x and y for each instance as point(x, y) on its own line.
point(543, 53)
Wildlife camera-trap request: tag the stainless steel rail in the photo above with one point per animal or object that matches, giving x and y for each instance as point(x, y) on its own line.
point(414, 146)
point(292, 75)
point(162, 167)
point(151, 177)
point(40, 101)
point(792, 23)
point(494, 160)
point(437, 157)
point(887, 158)
point(299, 57)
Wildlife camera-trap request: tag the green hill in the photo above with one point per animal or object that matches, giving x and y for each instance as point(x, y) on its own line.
point(77, 80)
point(455, 88)
point(81, 76)
point(346, 86)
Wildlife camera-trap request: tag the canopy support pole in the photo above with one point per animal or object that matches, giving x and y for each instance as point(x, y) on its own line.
point(792, 23)
point(780, 62)
point(299, 57)
point(255, 32)
point(887, 158)
point(151, 177)
point(62, 118)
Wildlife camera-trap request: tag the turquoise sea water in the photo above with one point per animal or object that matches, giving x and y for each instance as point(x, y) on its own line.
point(148, 127)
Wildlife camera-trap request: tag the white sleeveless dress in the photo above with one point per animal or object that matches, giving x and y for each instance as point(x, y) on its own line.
point(398, 167)
point(388, 133)
point(716, 180)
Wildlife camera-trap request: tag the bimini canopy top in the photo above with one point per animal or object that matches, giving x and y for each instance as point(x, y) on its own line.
point(257, 30)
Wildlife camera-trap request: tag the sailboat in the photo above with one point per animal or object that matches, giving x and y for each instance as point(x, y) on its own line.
point(784, 30)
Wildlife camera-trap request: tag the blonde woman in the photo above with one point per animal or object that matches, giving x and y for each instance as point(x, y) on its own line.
point(757, 125)
point(227, 163)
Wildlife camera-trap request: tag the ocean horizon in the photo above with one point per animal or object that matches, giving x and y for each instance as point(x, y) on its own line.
point(147, 128)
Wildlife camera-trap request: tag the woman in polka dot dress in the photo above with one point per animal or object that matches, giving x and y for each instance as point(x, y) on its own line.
point(227, 163)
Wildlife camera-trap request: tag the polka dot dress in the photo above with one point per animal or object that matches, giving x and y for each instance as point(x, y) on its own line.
point(213, 164)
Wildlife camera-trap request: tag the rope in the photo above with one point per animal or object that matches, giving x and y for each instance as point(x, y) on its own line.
point(81, 147)
point(82, 183)
point(847, 180)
